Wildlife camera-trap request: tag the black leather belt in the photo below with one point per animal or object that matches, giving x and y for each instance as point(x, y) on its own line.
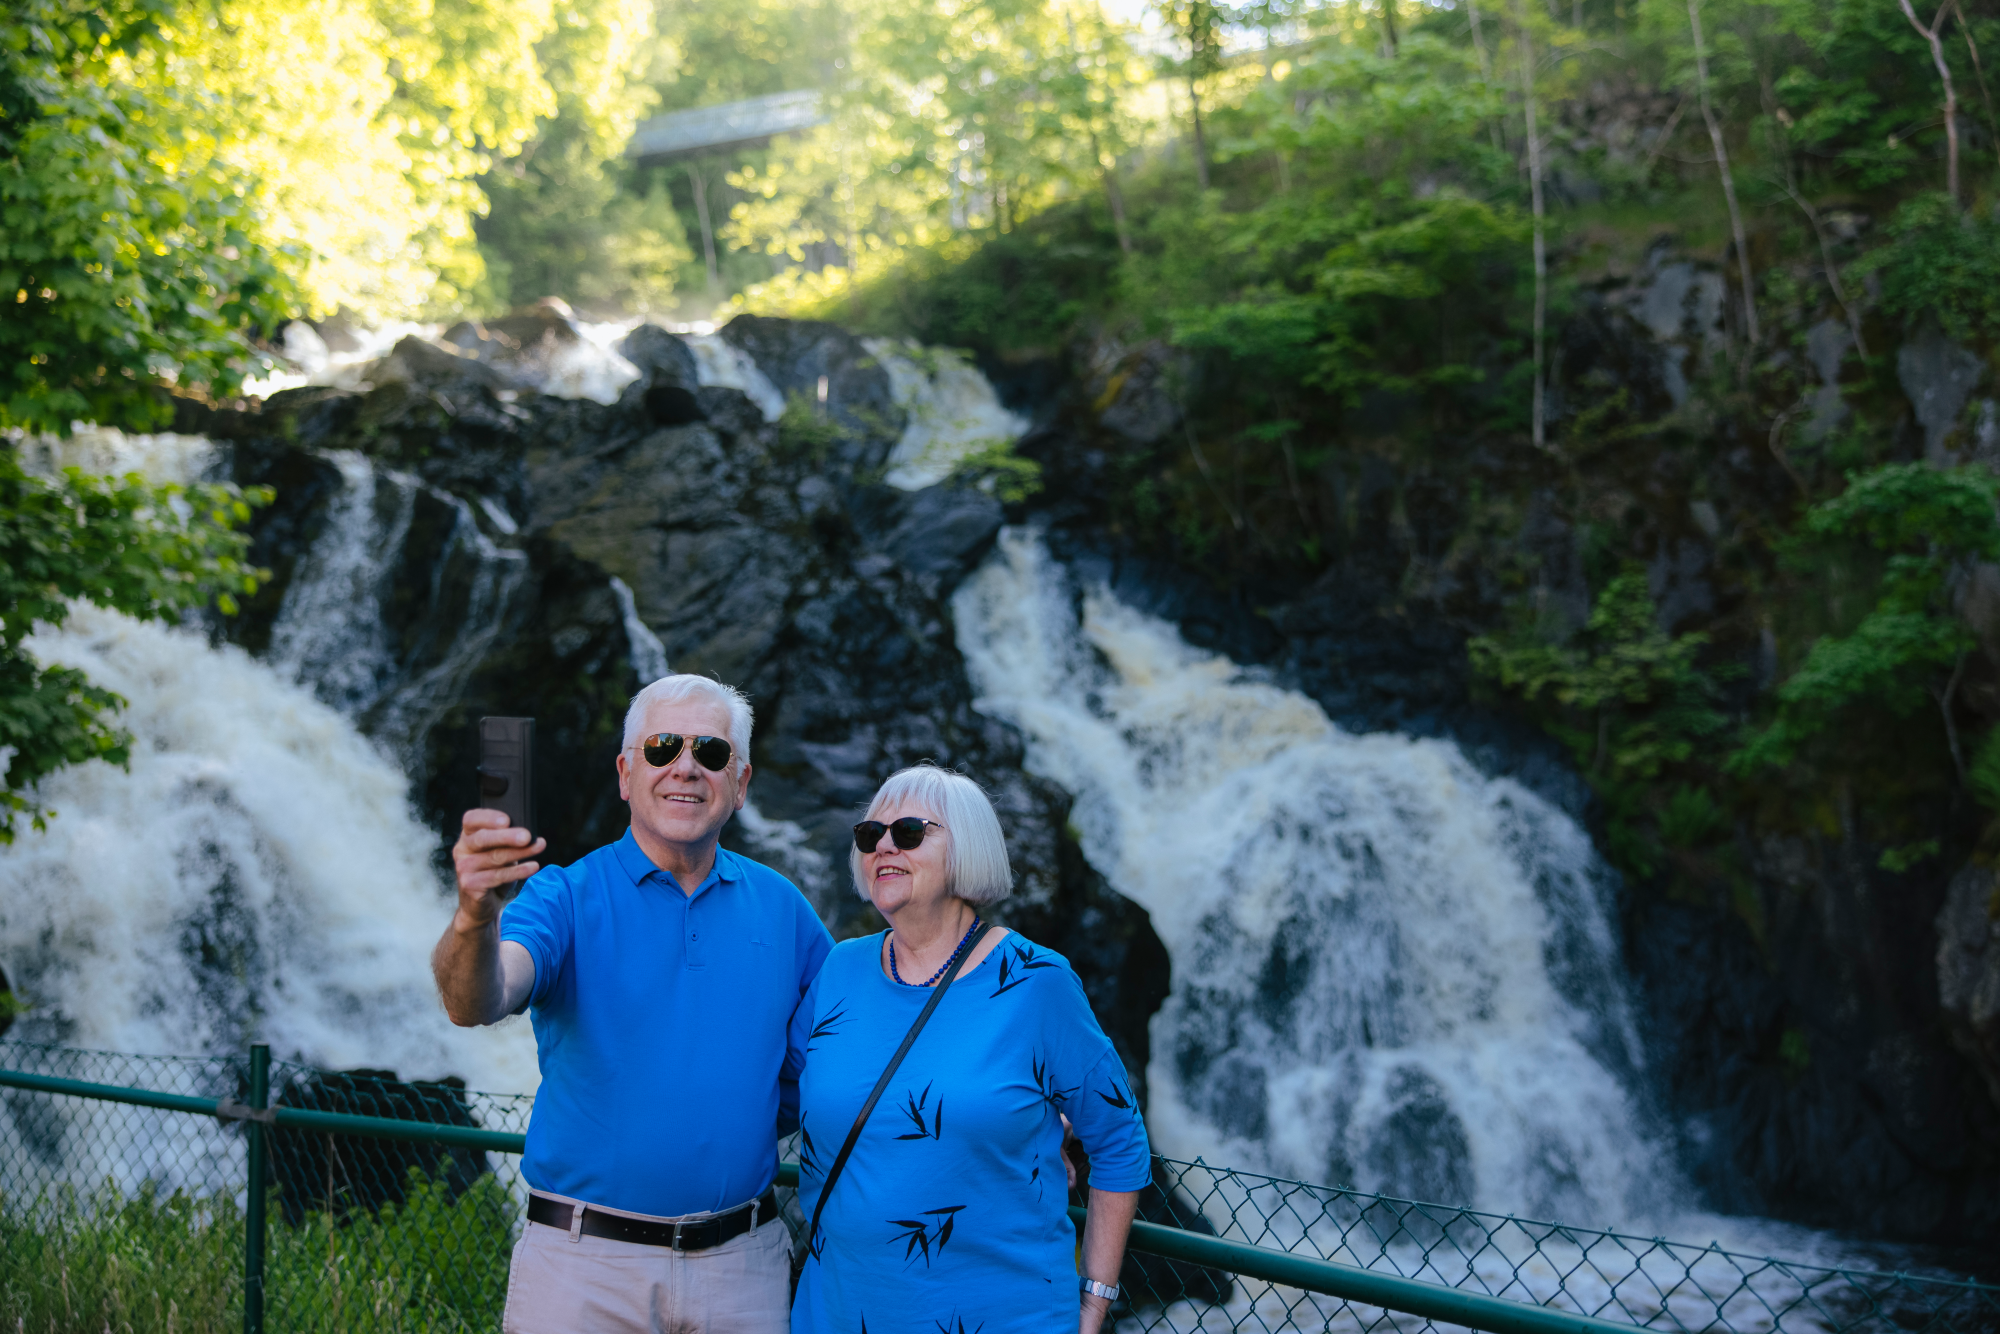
point(698, 1235)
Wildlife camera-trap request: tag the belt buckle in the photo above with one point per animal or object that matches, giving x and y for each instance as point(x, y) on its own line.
point(676, 1242)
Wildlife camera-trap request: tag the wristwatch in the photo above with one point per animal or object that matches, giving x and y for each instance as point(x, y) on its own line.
point(1108, 1291)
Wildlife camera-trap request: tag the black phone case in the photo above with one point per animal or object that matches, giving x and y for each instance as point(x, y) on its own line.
point(506, 763)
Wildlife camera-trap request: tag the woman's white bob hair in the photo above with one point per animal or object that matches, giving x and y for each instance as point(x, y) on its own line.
point(675, 689)
point(977, 869)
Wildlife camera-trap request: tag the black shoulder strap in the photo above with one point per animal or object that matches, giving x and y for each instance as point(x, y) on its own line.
point(888, 1073)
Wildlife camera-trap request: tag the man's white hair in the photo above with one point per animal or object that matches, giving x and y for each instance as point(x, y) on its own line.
point(675, 689)
point(977, 869)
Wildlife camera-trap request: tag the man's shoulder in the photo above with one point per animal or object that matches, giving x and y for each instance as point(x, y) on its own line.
point(552, 881)
point(761, 879)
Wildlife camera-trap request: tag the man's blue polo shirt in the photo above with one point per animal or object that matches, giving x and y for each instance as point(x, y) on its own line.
point(660, 1021)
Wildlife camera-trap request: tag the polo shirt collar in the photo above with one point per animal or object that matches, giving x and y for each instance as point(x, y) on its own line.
point(637, 865)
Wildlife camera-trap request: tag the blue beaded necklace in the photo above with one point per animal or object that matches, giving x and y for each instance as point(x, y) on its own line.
point(931, 981)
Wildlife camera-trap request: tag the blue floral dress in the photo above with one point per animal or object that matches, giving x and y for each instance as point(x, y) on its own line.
point(952, 1211)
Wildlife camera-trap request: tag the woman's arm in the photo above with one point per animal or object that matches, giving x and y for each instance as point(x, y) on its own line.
point(1106, 1225)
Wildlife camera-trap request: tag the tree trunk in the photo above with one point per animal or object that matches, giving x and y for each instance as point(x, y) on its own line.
point(1200, 143)
point(1389, 24)
point(707, 229)
point(1933, 35)
point(1485, 67)
point(1722, 167)
point(1527, 49)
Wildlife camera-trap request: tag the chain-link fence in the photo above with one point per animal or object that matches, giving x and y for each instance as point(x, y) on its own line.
point(1648, 1282)
point(116, 1216)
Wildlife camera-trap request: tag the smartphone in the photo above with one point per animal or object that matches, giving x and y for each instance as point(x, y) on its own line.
point(506, 761)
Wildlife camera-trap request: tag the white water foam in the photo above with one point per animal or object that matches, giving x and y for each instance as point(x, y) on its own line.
point(649, 655)
point(952, 411)
point(1388, 970)
point(721, 363)
point(331, 634)
point(257, 873)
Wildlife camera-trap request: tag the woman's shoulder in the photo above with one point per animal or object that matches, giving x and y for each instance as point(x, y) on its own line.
point(855, 952)
point(1017, 964)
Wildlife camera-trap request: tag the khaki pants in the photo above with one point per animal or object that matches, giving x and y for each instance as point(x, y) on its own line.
point(594, 1285)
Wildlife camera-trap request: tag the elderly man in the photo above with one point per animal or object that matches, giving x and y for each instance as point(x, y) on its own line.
point(662, 973)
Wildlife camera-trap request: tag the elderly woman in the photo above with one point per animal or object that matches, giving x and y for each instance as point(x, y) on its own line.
point(952, 1209)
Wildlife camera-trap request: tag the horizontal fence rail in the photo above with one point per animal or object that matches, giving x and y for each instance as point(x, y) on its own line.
point(388, 1215)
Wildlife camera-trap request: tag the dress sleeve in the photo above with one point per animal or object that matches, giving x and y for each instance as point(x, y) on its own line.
point(1103, 1111)
point(542, 920)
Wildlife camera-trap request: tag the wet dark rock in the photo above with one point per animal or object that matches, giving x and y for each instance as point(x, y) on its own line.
point(428, 366)
point(826, 367)
point(668, 387)
point(1968, 964)
point(350, 1176)
point(1938, 375)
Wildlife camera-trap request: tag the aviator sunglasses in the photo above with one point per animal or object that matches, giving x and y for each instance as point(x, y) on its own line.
point(710, 752)
point(907, 832)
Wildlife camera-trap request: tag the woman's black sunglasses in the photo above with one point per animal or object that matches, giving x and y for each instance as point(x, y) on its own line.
point(710, 752)
point(908, 832)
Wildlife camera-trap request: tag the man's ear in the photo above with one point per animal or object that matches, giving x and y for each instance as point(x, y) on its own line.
point(624, 777)
point(743, 787)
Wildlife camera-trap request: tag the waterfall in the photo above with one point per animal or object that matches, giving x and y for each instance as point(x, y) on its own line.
point(334, 631)
point(257, 873)
point(951, 408)
point(1388, 970)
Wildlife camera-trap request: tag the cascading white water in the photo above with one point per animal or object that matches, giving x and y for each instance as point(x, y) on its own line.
point(1388, 970)
point(331, 633)
point(258, 872)
point(952, 411)
point(329, 629)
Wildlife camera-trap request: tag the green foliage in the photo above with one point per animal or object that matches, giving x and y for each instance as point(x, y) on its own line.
point(1926, 521)
point(569, 217)
point(153, 1264)
point(1629, 701)
point(125, 258)
point(566, 224)
point(1626, 697)
point(1692, 818)
point(995, 467)
point(1982, 773)
point(1943, 264)
point(154, 552)
point(1908, 855)
point(806, 432)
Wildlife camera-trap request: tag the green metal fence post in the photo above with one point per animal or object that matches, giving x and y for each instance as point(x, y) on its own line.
point(253, 1213)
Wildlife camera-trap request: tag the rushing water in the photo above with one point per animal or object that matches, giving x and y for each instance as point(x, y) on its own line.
point(1388, 969)
point(257, 872)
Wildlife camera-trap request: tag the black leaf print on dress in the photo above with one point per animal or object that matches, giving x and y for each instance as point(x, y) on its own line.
point(922, 1236)
point(946, 1327)
point(829, 1026)
point(1021, 959)
point(1035, 1178)
point(914, 1109)
point(1116, 1097)
point(808, 1155)
point(1045, 1080)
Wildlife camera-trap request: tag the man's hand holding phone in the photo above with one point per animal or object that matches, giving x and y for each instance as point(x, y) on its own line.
point(491, 858)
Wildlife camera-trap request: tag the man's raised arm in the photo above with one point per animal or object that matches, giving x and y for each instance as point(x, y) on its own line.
point(482, 979)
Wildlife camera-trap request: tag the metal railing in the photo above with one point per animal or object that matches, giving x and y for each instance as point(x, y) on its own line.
point(130, 1205)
